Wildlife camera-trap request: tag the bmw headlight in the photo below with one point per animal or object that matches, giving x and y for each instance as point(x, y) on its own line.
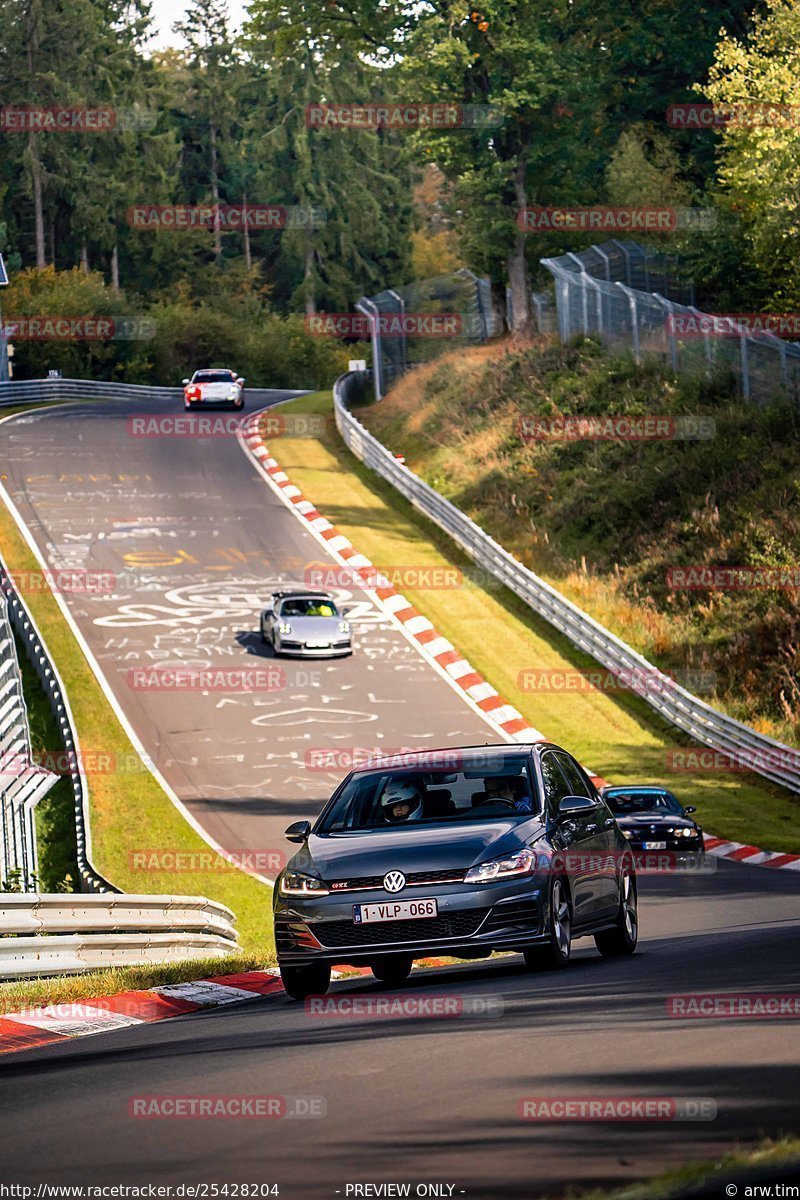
point(521, 863)
point(684, 832)
point(295, 883)
point(284, 627)
point(344, 627)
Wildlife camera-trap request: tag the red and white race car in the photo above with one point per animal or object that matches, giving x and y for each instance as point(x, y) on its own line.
point(211, 387)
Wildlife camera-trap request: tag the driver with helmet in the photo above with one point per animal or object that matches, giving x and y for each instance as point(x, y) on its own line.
point(401, 802)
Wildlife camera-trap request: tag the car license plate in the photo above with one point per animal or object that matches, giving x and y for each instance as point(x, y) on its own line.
point(394, 910)
point(654, 845)
point(318, 645)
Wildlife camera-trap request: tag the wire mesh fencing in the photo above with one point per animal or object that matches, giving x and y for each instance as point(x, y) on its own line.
point(633, 299)
point(412, 324)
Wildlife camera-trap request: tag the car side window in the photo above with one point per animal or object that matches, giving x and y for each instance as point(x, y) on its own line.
point(555, 783)
point(575, 779)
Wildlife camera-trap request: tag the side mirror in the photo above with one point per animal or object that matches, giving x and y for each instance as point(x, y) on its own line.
point(184, 382)
point(240, 379)
point(575, 806)
point(298, 832)
point(691, 808)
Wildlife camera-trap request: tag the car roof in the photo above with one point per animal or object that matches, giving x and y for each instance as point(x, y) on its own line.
point(411, 757)
point(634, 787)
point(298, 593)
point(228, 370)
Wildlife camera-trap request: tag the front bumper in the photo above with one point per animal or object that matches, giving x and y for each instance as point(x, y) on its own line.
point(192, 404)
point(471, 921)
point(299, 650)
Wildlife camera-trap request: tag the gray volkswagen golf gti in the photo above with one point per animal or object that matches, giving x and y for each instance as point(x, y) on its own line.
point(454, 852)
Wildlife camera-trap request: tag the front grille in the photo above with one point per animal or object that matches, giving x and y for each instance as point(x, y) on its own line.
point(346, 933)
point(361, 883)
point(521, 912)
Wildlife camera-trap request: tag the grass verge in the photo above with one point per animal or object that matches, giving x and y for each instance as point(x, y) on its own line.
point(71, 989)
point(55, 814)
point(129, 808)
point(738, 1167)
point(620, 737)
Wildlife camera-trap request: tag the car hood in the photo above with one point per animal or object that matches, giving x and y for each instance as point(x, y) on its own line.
point(660, 820)
point(410, 848)
point(316, 628)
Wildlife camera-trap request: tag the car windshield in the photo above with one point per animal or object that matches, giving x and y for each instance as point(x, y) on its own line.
point(309, 606)
point(633, 803)
point(214, 377)
point(391, 798)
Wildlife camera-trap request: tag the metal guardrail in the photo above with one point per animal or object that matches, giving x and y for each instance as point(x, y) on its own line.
point(31, 391)
point(769, 758)
point(46, 935)
point(22, 783)
point(47, 673)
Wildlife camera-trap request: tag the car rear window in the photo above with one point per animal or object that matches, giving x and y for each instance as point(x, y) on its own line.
point(213, 377)
point(630, 803)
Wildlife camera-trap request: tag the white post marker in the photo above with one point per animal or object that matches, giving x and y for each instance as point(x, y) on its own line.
point(3, 350)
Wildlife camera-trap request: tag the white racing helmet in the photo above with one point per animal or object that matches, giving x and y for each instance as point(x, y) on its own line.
point(401, 793)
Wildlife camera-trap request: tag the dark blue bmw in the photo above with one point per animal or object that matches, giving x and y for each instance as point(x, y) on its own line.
point(454, 852)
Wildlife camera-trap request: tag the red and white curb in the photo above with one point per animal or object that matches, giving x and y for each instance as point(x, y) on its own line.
point(739, 852)
point(33, 1027)
point(436, 648)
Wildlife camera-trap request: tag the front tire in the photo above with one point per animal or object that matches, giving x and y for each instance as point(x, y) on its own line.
point(392, 968)
point(301, 982)
point(555, 954)
point(622, 939)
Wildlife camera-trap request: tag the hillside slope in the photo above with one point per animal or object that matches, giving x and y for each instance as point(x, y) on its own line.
point(607, 521)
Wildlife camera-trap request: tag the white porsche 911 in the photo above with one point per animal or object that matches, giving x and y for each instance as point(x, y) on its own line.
point(213, 387)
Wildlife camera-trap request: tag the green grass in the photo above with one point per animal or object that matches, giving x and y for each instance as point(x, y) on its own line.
point(618, 736)
point(734, 1166)
point(605, 521)
point(71, 989)
point(55, 813)
point(128, 808)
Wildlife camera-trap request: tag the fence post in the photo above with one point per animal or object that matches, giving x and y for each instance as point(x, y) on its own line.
point(404, 339)
point(375, 338)
point(672, 341)
point(631, 294)
point(745, 360)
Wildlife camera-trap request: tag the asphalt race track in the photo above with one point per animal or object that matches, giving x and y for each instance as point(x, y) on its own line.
point(406, 1099)
point(196, 540)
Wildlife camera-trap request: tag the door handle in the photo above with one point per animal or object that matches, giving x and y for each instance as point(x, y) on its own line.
point(609, 821)
point(591, 828)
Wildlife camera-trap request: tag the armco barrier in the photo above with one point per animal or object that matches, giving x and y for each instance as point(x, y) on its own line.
point(22, 783)
point(32, 391)
point(771, 759)
point(33, 644)
point(68, 934)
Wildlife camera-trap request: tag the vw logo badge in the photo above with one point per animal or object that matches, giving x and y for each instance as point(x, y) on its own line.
point(395, 881)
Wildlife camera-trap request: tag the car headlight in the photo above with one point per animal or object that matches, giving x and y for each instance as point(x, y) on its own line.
point(295, 883)
point(684, 832)
point(521, 863)
point(284, 627)
point(233, 394)
point(344, 627)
